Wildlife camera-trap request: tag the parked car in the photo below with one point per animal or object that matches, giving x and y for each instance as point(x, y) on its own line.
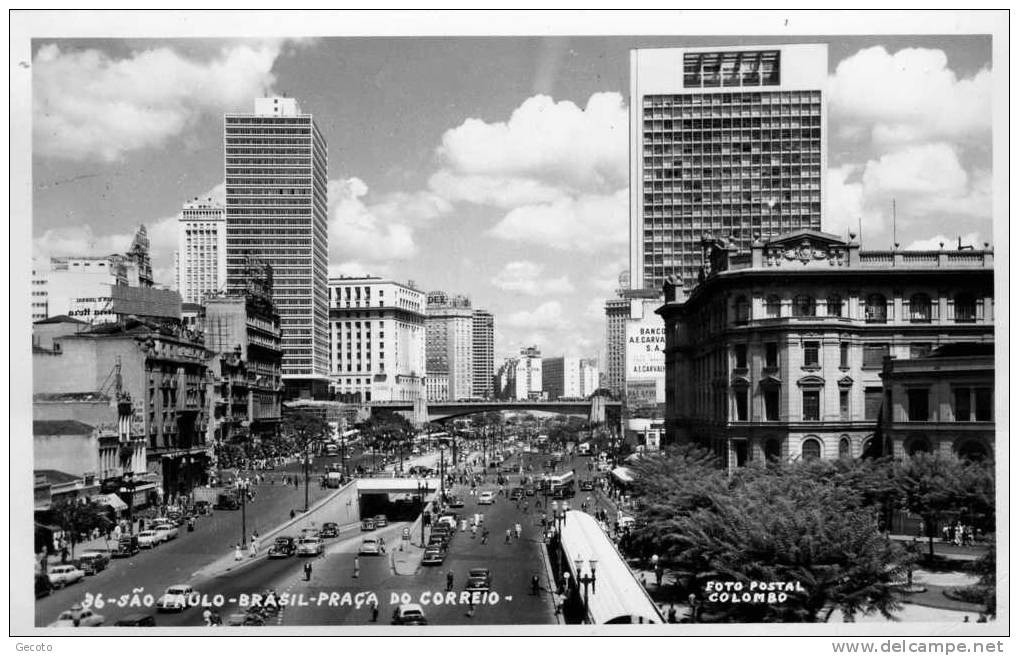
point(310, 547)
point(310, 533)
point(127, 546)
point(433, 556)
point(587, 486)
point(136, 619)
point(479, 579)
point(43, 587)
point(284, 547)
point(93, 562)
point(168, 531)
point(175, 598)
point(370, 547)
point(149, 538)
point(61, 575)
point(409, 615)
point(437, 542)
point(486, 498)
point(226, 502)
point(455, 502)
point(78, 616)
point(368, 524)
point(380, 521)
point(330, 530)
point(202, 507)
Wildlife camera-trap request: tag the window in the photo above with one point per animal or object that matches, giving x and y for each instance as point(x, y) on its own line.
point(740, 351)
point(772, 449)
point(984, 404)
point(773, 307)
point(919, 404)
point(803, 306)
point(771, 354)
point(811, 449)
point(834, 305)
point(771, 403)
point(872, 397)
point(876, 310)
point(811, 354)
point(965, 309)
point(740, 396)
point(874, 355)
point(962, 404)
point(811, 405)
point(742, 310)
point(844, 405)
point(845, 447)
point(844, 355)
point(918, 444)
point(920, 308)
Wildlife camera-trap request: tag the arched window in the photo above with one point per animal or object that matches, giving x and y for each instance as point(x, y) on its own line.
point(811, 449)
point(845, 447)
point(973, 450)
point(772, 449)
point(965, 308)
point(803, 306)
point(742, 310)
point(920, 308)
point(773, 307)
point(834, 305)
point(918, 444)
point(877, 309)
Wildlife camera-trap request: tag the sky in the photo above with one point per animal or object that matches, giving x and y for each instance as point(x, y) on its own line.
point(492, 167)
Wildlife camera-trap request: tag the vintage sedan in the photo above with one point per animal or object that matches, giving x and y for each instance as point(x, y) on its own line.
point(370, 547)
point(167, 530)
point(61, 575)
point(284, 547)
point(175, 598)
point(78, 616)
point(149, 538)
point(310, 547)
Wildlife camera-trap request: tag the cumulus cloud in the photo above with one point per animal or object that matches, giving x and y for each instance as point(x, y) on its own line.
point(88, 105)
point(547, 316)
point(587, 224)
point(357, 233)
point(907, 97)
point(352, 268)
point(529, 278)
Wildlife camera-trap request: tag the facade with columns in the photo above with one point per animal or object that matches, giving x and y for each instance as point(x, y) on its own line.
point(778, 352)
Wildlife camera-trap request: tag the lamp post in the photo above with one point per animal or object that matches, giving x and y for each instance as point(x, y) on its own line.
point(586, 576)
point(307, 474)
point(422, 488)
point(242, 485)
point(442, 474)
point(127, 489)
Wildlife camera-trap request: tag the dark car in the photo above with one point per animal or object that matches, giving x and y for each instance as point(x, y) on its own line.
point(587, 486)
point(136, 619)
point(202, 507)
point(92, 562)
point(516, 493)
point(284, 547)
point(529, 490)
point(433, 557)
point(43, 587)
point(456, 502)
point(330, 530)
point(437, 542)
point(479, 579)
point(127, 546)
point(443, 532)
point(226, 502)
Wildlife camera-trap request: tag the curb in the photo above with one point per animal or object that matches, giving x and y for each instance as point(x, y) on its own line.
point(549, 577)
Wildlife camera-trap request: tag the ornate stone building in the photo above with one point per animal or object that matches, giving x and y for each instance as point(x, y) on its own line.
point(778, 353)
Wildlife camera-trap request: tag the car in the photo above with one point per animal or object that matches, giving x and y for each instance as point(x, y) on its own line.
point(368, 524)
point(437, 542)
point(43, 587)
point(168, 530)
point(370, 547)
point(310, 547)
point(149, 538)
point(61, 575)
point(127, 546)
point(244, 619)
point(586, 486)
point(203, 507)
point(486, 498)
point(284, 547)
point(409, 615)
point(479, 579)
point(93, 562)
point(78, 616)
point(330, 530)
point(311, 533)
point(226, 502)
point(516, 493)
point(456, 502)
point(433, 556)
point(529, 490)
point(136, 619)
point(380, 521)
point(175, 598)
point(625, 522)
point(446, 521)
point(444, 530)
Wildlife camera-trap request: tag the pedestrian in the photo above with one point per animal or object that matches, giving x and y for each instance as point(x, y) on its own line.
point(252, 549)
point(470, 606)
point(307, 570)
point(484, 536)
point(535, 584)
point(292, 513)
point(382, 545)
point(238, 554)
point(449, 580)
point(375, 610)
point(357, 567)
point(517, 529)
point(474, 530)
point(63, 554)
point(508, 535)
point(672, 613)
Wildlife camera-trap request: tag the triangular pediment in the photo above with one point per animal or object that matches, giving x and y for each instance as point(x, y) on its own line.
point(845, 381)
point(811, 237)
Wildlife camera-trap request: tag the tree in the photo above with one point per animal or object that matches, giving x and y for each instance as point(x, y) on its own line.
point(386, 430)
point(936, 486)
point(77, 516)
point(307, 430)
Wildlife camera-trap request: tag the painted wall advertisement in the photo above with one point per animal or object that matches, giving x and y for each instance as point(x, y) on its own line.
point(645, 354)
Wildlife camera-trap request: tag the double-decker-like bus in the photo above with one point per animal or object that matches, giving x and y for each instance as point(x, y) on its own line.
point(559, 486)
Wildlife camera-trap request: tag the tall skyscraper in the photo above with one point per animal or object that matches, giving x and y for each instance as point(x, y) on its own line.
point(484, 353)
point(276, 170)
point(727, 141)
point(201, 250)
point(528, 374)
point(449, 347)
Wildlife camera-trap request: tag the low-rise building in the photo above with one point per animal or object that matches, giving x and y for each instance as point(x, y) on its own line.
point(778, 353)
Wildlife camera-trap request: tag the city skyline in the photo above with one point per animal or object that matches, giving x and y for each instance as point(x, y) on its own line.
point(519, 184)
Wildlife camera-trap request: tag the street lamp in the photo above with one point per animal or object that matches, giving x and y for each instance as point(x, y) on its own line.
point(586, 577)
point(422, 488)
point(307, 475)
point(242, 485)
point(127, 489)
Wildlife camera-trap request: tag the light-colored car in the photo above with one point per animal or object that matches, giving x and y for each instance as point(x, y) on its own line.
point(78, 616)
point(168, 531)
point(486, 498)
point(149, 538)
point(625, 521)
point(309, 547)
point(380, 521)
point(61, 575)
point(409, 614)
point(370, 546)
point(175, 598)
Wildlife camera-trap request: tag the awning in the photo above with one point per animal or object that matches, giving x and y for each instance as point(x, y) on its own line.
point(111, 500)
point(623, 474)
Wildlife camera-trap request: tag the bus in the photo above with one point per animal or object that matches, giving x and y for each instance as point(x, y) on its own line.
point(559, 486)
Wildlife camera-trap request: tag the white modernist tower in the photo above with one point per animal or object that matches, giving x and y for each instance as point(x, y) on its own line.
point(201, 250)
point(276, 167)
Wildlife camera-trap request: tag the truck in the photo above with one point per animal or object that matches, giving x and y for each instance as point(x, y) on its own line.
point(334, 479)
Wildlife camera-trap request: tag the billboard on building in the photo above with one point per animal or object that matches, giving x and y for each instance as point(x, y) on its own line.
point(122, 300)
point(645, 351)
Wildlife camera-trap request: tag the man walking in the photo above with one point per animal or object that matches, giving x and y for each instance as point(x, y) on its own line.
point(449, 580)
